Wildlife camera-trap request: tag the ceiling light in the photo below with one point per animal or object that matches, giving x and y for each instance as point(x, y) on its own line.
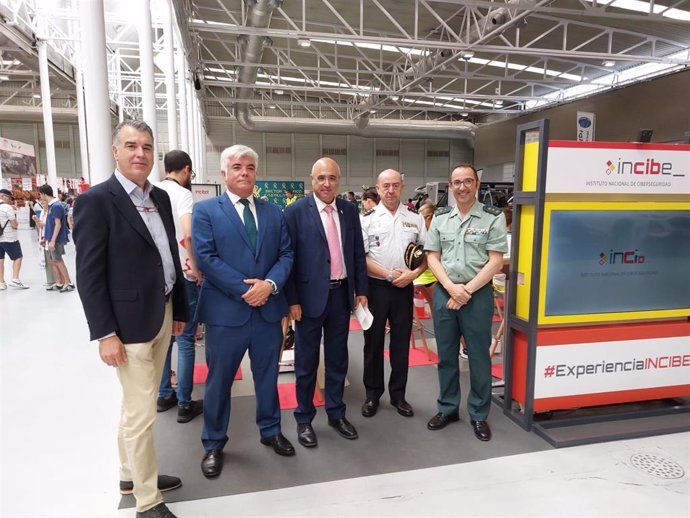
point(36, 96)
point(373, 110)
point(395, 97)
point(279, 92)
point(464, 114)
point(608, 63)
point(3, 77)
point(272, 106)
point(304, 42)
point(498, 102)
point(467, 55)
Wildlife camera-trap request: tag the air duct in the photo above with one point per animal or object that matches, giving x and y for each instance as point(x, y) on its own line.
point(260, 18)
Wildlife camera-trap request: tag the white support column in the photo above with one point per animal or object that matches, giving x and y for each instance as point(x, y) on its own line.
point(96, 100)
point(170, 77)
point(201, 143)
point(47, 114)
point(148, 89)
point(119, 97)
point(190, 119)
point(195, 133)
point(182, 94)
point(81, 116)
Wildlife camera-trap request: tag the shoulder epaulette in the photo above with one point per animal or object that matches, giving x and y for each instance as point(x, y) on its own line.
point(414, 211)
point(368, 212)
point(442, 210)
point(492, 210)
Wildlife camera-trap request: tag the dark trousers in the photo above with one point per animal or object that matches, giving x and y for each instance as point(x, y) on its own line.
point(225, 348)
point(395, 305)
point(334, 323)
point(473, 321)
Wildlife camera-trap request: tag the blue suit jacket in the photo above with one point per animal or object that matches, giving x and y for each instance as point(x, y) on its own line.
point(224, 255)
point(308, 284)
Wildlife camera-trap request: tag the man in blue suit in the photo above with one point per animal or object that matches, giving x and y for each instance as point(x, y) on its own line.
point(243, 249)
point(328, 279)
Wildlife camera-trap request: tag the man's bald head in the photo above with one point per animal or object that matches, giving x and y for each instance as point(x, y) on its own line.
point(390, 187)
point(325, 179)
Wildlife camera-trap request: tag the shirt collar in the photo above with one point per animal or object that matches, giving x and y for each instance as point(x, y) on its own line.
point(129, 186)
point(320, 205)
point(234, 199)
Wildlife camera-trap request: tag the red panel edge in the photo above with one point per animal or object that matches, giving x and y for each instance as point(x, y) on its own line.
point(610, 398)
point(612, 332)
point(619, 145)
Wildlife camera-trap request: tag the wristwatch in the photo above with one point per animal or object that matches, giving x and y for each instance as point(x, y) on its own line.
point(274, 291)
point(389, 277)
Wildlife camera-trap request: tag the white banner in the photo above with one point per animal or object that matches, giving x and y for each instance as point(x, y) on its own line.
point(592, 368)
point(580, 167)
point(585, 126)
point(14, 146)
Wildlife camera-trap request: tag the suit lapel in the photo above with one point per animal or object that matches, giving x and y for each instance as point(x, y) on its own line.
point(343, 226)
point(124, 204)
point(261, 222)
point(230, 211)
point(316, 218)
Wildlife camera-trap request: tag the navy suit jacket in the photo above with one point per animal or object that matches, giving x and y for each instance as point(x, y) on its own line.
point(308, 284)
point(225, 257)
point(119, 270)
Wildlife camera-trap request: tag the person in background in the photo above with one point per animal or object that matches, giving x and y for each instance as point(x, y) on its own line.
point(351, 197)
point(9, 242)
point(328, 280)
point(55, 238)
point(465, 248)
point(370, 199)
point(424, 284)
point(178, 183)
point(289, 197)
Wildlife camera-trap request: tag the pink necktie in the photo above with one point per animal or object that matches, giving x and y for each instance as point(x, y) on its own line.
point(333, 244)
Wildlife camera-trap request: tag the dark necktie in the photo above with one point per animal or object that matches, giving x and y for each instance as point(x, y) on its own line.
point(249, 222)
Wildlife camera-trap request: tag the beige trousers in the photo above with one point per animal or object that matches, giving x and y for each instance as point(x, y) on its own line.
point(140, 378)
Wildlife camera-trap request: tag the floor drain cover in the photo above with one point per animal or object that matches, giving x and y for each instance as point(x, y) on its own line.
point(657, 466)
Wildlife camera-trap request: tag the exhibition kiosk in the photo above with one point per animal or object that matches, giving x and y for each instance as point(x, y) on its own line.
point(598, 334)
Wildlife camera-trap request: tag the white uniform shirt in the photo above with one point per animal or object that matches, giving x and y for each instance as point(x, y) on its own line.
point(182, 202)
point(387, 235)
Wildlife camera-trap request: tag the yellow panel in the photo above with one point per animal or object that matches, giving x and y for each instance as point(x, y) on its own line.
point(524, 262)
point(529, 167)
point(599, 317)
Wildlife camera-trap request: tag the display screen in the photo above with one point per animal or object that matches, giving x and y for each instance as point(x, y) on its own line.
point(611, 261)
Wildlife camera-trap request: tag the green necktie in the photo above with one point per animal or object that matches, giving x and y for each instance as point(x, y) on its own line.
point(249, 222)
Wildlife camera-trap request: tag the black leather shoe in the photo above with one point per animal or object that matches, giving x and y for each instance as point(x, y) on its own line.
point(306, 436)
point(166, 403)
point(165, 483)
point(481, 430)
point(212, 463)
point(404, 408)
point(370, 407)
point(344, 428)
point(186, 414)
point(440, 420)
point(157, 511)
point(280, 445)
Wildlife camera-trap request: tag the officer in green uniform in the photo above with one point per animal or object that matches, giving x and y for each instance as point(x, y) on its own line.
point(465, 247)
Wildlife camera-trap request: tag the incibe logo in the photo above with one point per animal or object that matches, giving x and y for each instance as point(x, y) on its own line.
point(621, 257)
point(642, 167)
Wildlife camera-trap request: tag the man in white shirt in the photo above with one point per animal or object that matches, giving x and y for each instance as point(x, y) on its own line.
point(177, 183)
point(387, 231)
point(9, 242)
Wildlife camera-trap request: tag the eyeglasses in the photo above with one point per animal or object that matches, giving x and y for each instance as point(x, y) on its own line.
point(146, 209)
point(467, 182)
point(193, 174)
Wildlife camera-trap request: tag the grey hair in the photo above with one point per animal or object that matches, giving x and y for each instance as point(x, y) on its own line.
point(133, 123)
point(237, 151)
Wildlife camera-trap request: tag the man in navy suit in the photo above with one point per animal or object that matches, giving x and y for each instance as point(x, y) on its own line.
point(131, 286)
point(328, 279)
point(243, 249)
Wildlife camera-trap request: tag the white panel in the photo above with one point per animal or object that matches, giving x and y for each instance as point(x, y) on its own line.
point(306, 152)
point(278, 161)
point(17, 131)
point(361, 155)
point(437, 165)
point(461, 153)
point(387, 151)
point(412, 160)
